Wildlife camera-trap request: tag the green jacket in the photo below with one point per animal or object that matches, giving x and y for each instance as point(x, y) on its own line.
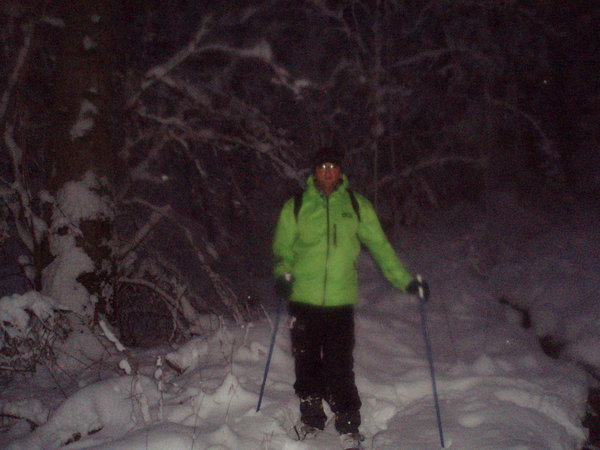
point(321, 246)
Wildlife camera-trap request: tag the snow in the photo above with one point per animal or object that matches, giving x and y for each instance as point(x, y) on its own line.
point(89, 44)
point(79, 200)
point(15, 309)
point(261, 50)
point(497, 389)
point(108, 333)
point(31, 409)
point(189, 356)
point(114, 404)
point(564, 305)
point(85, 121)
point(76, 201)
point(53, 21)
point(60, 277)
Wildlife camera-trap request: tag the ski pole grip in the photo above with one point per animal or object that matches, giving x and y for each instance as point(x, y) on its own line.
point(421, 292)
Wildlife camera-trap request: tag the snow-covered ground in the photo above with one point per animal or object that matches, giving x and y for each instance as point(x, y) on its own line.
point(497, 389)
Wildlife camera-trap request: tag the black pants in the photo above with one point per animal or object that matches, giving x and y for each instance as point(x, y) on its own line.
point(322, 345)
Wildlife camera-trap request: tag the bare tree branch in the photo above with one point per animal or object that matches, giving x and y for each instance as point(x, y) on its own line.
point(225, 293)
point(20, 62)
point(432, 162)
point(546, 143)
point(29, 226)
point(140, 234)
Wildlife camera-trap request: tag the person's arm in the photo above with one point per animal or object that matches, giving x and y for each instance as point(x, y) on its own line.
point(372, 235)
point(285, 235)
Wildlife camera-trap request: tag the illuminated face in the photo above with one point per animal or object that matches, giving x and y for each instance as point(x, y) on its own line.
point(327, 177)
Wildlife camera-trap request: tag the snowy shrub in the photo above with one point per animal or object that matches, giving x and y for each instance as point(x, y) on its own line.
point(30, 326)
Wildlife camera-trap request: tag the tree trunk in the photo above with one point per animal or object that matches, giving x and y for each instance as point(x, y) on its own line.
point(83, 161)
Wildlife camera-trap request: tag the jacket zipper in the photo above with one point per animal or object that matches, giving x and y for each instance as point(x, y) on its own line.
point(327, 252)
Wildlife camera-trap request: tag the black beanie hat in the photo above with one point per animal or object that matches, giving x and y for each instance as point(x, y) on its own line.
point(328, 154)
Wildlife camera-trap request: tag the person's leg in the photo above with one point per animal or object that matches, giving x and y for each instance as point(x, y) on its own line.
point(306, 335)
point(338, 370)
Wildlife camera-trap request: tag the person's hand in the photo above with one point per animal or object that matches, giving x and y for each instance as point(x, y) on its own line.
point(283, 285)
point(415, 285)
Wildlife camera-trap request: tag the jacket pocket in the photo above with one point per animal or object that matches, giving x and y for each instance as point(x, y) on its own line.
point(335, 235)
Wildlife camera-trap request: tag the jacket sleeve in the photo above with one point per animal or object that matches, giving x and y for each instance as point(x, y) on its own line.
point(373, 237)
point(285, 235)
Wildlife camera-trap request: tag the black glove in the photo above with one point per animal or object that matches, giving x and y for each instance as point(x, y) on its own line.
point(283, 285)
point(414, 285)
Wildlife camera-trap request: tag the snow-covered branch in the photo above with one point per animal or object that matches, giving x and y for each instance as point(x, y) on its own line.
point(261, 51)
point(437, 53)
point(267, 145)
point(157, 72)
point(28, 329)
point(108, 333)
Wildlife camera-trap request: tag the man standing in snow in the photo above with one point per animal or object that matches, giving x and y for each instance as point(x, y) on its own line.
point(316, 246)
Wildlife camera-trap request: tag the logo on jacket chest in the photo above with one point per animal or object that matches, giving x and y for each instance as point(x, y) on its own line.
point(347, 215)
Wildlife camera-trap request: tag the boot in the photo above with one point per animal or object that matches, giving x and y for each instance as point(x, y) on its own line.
point(311, 412)
point(351, 441)
point(347, 421)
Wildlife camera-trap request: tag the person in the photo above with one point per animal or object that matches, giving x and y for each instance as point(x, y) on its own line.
point(317, 242)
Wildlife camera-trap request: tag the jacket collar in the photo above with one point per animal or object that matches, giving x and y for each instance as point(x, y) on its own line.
point(311, 187)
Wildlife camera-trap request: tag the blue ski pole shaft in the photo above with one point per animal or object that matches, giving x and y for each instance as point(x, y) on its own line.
point(265, 375)
point(422, 301)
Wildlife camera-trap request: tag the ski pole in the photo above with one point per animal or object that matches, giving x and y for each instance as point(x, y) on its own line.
point(422, 301)
point(276, 326)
